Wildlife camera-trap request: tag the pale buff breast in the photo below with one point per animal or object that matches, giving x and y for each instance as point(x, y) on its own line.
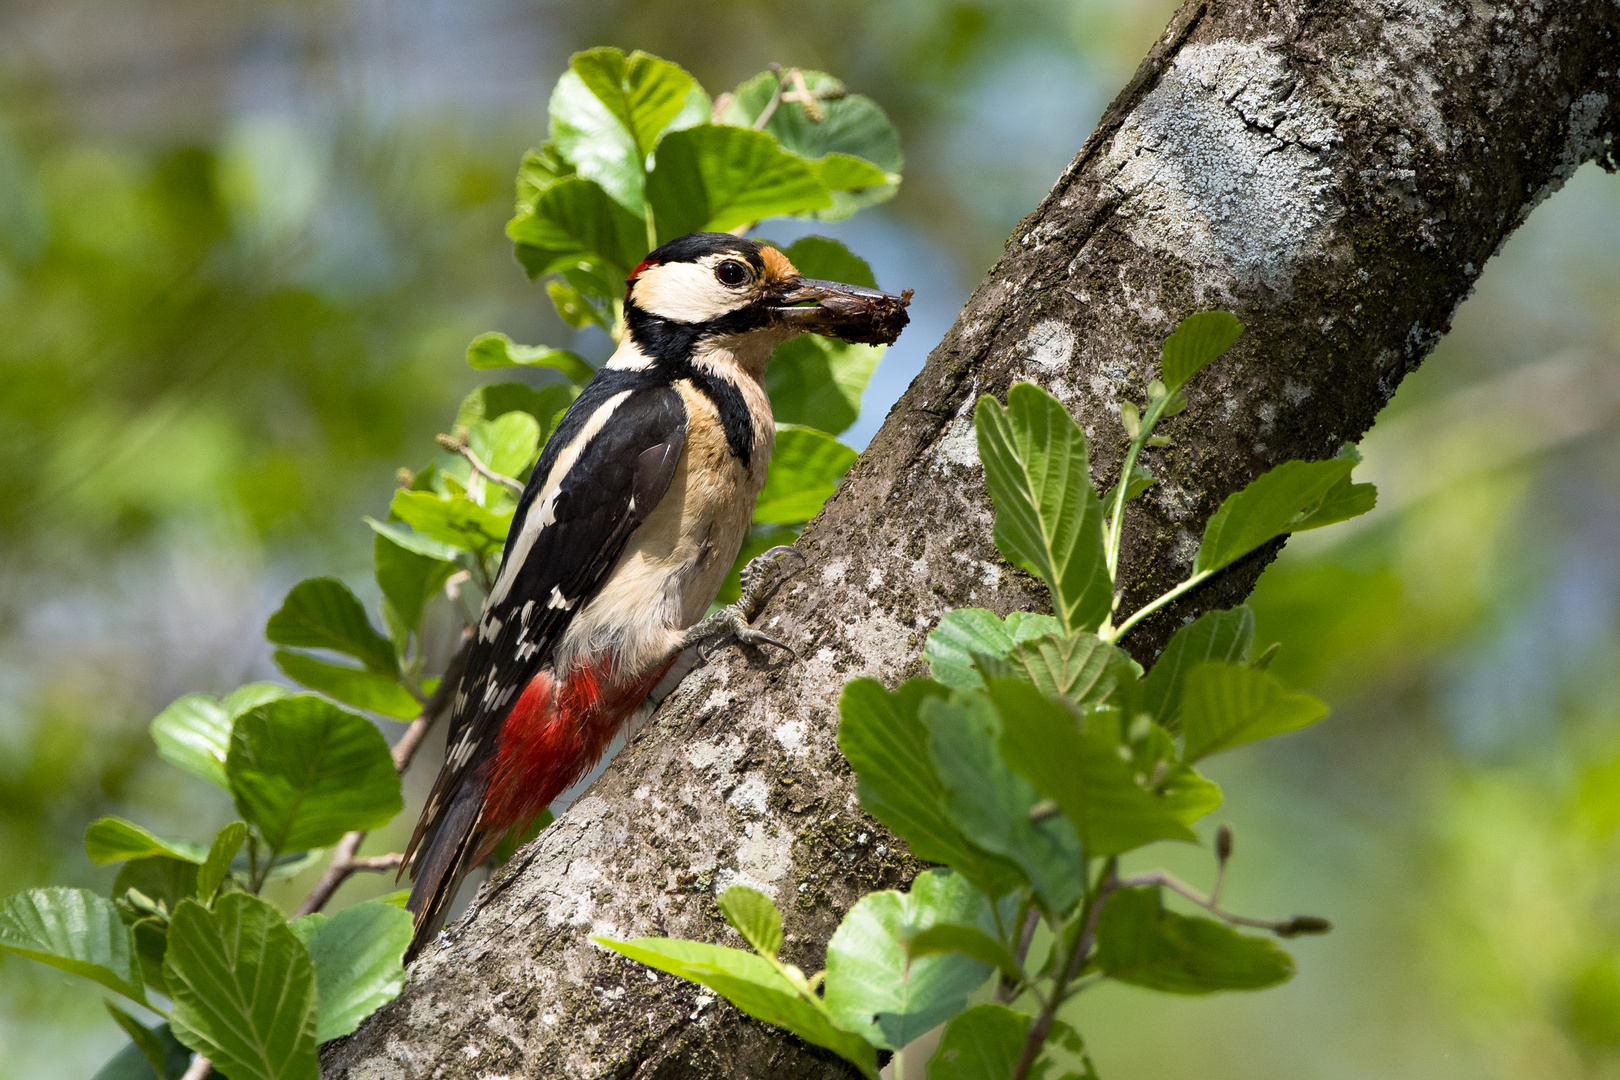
point(676, 561)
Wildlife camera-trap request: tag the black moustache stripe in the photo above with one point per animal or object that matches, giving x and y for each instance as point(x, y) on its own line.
point(671, 345)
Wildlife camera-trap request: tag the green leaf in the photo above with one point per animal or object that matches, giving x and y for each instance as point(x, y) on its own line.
point(874, 988)
point(496, 350)
point(112, 839)
point(886, 743)
point(1188, 795)
point(969, 940)
point(193, 734)
point(358, 956)
point(149, 1045)
point(1048, 518)
point(418, 543)
point(842, 172)
point(151, 936)
point(1343, 501)
point(827, 259)
point(1225, 705)
point(1195, 344)
point(854, 125)
point(754, 986)
point(966, 633)
point(984, 1043)
point(305, 772)
point(161, 880)
point(494, 402)
point(1080, 667)
point(321, 613)
point(1224, 636)
point(76, 931)
point(575, 222)
point(288, 864)
point(1139, 942)
point(753, 915)
point(407, 578)
point(990, 803)
point(1081, 772)
point(1274, 504)
point(370, 690)
point(626, 105)
point(226, 843)
point(539, 168)
point(642, 93)
point(818, 381)
point(457, 521)
point(713, 177)
point(804, 472)
point(134, 1061)
point(1141, 480)
point(244, 989)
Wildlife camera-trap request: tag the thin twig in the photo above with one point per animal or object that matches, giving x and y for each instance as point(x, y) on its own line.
point(377, 864)
point(199, 1068)
point(769, 110)
point(459, 446)
point(1299, 924)
point(345, 857)
point(1008, 989)
point(1082, 948)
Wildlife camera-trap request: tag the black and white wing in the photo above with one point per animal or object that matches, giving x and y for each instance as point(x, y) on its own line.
point(606, 467)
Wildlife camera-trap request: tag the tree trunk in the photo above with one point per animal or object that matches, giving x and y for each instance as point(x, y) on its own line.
point(1336, 174)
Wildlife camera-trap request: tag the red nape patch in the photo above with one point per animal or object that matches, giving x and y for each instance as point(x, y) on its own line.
point(552, 737)
point(640, 266)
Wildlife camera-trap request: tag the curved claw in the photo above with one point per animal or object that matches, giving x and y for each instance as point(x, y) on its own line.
point(753, 637)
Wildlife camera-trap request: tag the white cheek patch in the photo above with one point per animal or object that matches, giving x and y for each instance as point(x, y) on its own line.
point(686, 292)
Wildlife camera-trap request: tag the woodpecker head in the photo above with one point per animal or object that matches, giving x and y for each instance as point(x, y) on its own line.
point(715, 290)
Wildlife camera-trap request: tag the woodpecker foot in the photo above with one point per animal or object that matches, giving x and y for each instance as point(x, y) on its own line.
point(732, 620)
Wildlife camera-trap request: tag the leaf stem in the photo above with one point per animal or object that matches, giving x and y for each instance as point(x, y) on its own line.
point(1116, 523)
point(457, 444)
point(1141, 613)
point(1071, 970)
point(1166, 880)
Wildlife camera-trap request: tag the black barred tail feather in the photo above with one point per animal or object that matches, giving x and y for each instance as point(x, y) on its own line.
point(444, 861)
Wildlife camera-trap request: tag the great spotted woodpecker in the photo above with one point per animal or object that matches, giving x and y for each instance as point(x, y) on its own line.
point(627, 527)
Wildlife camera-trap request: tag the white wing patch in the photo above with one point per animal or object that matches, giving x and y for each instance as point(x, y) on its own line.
point(541, 512)
point(559, 601)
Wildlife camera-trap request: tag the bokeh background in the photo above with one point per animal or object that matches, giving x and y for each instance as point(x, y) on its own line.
point(243, 247)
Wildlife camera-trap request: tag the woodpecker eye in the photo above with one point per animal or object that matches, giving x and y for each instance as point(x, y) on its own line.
point(731, 272)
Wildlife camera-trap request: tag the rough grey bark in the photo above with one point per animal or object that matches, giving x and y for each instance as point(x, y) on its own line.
point(1337, 174)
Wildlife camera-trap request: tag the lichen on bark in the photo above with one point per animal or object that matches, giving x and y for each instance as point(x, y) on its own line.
point(1335, 173)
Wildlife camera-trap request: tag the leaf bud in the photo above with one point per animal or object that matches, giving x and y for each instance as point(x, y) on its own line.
point(1176, 404)
point(1223, 843)
point(1304, 924)
point(1132, 419)
point(405, 478)
point(1159, 440)
point(1157, 389)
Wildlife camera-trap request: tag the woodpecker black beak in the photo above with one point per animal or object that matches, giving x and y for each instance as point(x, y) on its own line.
point(844, 311)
